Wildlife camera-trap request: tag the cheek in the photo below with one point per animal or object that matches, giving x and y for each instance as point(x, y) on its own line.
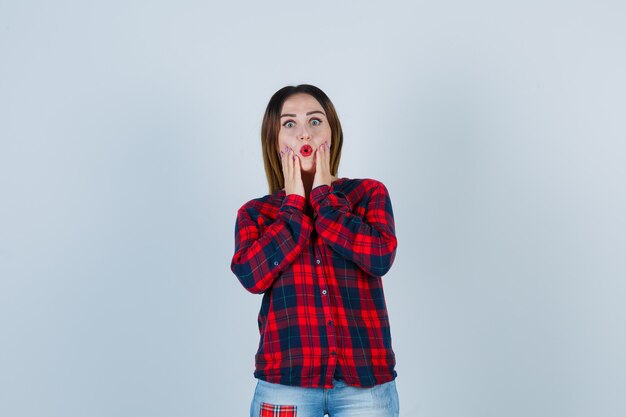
point(283, 136)
point(327, 135)
point(282, 142)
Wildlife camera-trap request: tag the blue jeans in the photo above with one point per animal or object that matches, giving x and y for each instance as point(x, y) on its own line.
point(340, 401)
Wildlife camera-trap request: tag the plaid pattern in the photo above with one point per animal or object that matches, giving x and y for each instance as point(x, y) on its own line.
point(319, 268)
point(270, 410)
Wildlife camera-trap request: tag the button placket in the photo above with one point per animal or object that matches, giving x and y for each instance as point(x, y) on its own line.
point(332, 342)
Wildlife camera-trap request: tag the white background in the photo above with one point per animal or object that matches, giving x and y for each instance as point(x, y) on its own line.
point(130, 136)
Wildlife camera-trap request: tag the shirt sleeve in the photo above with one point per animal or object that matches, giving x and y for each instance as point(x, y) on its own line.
point(261, 254)
point(368, 241)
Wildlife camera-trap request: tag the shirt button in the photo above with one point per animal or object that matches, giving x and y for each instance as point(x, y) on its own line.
point(317, 261)
point(275, 263)
point(333, 352)
point(323, 292)
point(330, 322)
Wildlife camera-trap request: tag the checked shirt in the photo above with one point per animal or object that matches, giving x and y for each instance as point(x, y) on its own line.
point(319, 264)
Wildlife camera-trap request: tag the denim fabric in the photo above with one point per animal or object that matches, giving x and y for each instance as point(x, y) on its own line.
point(340, 401)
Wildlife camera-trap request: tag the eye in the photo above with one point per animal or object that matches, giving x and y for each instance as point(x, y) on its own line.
point(289, 123)
point(316, 122)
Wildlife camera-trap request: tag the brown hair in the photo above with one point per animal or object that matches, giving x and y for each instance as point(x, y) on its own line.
point(271, 127)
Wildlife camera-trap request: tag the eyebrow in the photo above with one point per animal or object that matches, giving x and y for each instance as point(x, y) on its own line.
point(311, 112)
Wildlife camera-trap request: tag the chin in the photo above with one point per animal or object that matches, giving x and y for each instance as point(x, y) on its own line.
point(308, 168)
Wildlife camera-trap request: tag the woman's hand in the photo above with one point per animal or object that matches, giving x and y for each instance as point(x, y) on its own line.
point(291, 172)
point(322, 166)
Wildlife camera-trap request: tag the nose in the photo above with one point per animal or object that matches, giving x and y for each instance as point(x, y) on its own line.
point(304, 134)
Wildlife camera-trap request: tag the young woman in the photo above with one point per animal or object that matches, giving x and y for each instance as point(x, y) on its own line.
point(316, 247)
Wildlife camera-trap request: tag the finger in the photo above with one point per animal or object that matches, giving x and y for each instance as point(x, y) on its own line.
point(296, 167)
point(283, 163)
point(322, 156)
point(287, 165)
point(288, 170)
point(292, 163)
point(327, 155)
point(318, 160)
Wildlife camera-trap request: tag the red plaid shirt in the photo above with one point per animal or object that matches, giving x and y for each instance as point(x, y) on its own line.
point(319, 267)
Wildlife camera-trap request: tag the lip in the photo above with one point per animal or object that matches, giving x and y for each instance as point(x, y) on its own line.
point(306, 150)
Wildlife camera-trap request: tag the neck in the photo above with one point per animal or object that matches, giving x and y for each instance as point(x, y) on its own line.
point(307, 181)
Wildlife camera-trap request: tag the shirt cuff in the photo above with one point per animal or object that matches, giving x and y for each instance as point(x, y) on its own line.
point(317, 196)
point(293, 200)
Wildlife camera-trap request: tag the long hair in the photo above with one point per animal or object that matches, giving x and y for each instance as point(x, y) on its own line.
point(271, 127)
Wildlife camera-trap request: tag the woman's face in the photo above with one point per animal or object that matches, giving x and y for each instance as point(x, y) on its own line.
point(304, 128)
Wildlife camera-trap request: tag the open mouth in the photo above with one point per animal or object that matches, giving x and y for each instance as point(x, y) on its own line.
point(306, 150)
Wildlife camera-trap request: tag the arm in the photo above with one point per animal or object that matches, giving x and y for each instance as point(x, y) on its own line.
point(260, 256)
point(370, 241)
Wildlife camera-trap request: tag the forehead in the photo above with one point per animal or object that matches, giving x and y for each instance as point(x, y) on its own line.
point(301, 103)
